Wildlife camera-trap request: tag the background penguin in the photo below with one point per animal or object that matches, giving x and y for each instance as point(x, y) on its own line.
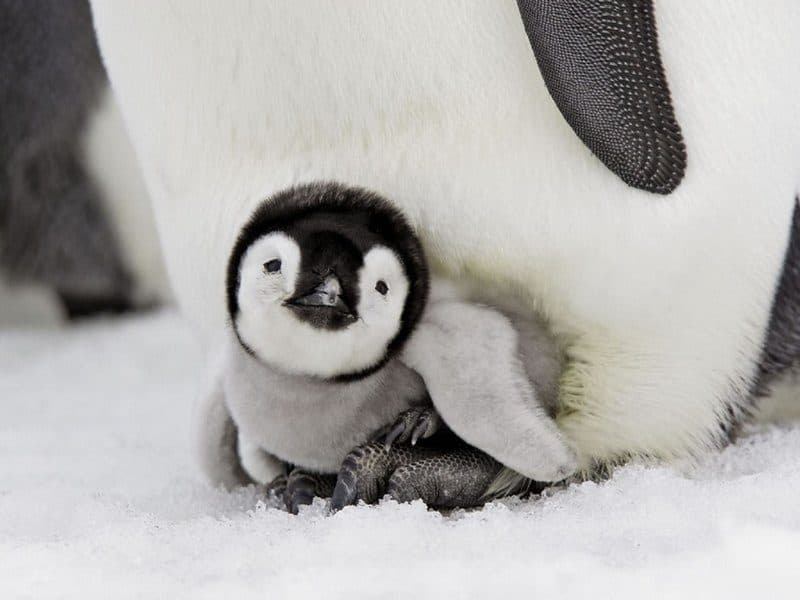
point(627, 168)
point(76, 228)
point(325, 286)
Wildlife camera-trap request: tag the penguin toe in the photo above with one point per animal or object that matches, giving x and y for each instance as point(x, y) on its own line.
point(428, 423)
point(412, 425)
point(394, 435)
point(363, 475)
point(365, 472)
point(275, 489)
point(300, 488)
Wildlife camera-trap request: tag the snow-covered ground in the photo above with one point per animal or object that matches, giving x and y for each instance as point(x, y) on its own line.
point(99, 498)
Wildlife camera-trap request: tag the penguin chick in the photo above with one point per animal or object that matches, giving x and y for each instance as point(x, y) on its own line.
point(325, 286)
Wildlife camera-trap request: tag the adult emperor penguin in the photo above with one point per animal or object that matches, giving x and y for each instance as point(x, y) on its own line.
point(628, 168)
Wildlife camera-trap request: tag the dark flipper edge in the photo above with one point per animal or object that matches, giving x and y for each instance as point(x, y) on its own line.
point(601, 64)
point(782, 344)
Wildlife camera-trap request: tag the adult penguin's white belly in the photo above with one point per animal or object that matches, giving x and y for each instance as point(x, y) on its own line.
point(662, 301)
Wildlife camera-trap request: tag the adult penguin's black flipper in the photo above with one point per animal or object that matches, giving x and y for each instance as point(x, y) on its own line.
point(601, 64)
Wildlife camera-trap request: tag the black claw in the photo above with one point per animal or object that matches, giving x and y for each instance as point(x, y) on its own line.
point(395, 433)
point(380, 434)
point(421, 429)
point(413, 425)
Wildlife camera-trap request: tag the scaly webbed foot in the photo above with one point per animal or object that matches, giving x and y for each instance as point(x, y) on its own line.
point(454, 479)
point(366, 470)
point(443, 475)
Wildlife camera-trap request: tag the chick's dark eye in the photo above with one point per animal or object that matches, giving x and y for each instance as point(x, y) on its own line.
point(381, 287)
point(272, 266)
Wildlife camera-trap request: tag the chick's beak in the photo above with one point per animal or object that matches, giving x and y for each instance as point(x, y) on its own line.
point(327, 294)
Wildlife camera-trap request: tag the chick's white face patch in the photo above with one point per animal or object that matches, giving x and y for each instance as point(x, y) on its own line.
point(275, 334)
point(383, 288)
point(260, 282)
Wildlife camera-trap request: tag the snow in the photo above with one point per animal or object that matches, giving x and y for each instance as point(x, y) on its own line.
point(99, 498)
